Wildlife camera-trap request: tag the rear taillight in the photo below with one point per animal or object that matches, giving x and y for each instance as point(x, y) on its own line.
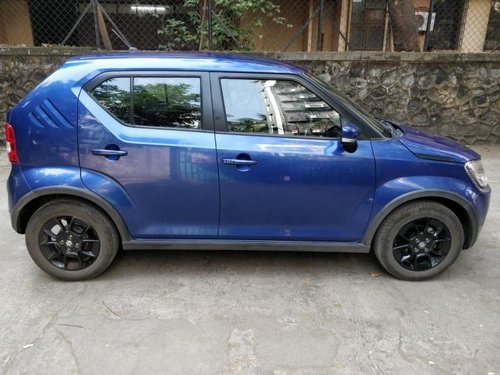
point(10, 138)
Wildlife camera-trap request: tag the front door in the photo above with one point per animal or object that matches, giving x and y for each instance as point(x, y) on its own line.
point(147, 146)
point(283, 173)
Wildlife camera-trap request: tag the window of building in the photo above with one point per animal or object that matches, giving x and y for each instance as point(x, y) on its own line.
point(114, 95)
point(277, 107)
point(448, 24)
point(172, 102)
point(492, 41)
point(367, 25)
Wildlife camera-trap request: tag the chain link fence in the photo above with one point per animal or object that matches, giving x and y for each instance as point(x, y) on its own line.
point(247, 25)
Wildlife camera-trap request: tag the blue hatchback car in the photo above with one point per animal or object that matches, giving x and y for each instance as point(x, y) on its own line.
point(215, 151)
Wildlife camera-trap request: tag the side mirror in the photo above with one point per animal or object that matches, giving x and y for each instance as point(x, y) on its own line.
point(350, 134)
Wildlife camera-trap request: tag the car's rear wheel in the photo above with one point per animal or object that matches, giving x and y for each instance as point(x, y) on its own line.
point(419, 240)
point(71, 240)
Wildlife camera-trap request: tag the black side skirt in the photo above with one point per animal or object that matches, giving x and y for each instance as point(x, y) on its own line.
point(211, 244)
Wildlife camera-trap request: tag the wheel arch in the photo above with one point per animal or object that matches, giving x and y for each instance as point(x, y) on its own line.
point(458, 205)
point(27, 205)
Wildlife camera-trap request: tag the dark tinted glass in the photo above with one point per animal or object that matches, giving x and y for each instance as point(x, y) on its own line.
point(277, 107)
point(173, 102)
point(114, 95)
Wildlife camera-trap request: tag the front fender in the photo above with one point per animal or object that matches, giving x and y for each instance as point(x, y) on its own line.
point(397, 192)
point(403, 177)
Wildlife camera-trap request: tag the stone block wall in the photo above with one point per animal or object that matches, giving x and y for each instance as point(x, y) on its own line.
point(21, 69)
point(452, 94)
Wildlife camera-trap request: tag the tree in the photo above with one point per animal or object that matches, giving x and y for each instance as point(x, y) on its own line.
point(186, 28)
point(404, 25)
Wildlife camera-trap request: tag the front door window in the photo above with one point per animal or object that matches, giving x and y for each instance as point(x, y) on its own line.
point(277, 107)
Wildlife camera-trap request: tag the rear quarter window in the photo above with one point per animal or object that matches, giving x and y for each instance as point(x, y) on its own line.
point(114, 95)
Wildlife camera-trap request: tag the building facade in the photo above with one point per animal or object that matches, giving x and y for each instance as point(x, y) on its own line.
point(309, 25)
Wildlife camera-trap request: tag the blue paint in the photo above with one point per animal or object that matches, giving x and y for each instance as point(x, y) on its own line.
point(176, 183)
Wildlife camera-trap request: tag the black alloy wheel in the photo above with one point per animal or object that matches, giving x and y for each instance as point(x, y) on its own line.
point(71, 239)
point(422, 244)
point(419, 240)
point(69, 243)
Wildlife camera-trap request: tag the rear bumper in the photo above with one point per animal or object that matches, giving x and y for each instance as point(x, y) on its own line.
point(17, 187)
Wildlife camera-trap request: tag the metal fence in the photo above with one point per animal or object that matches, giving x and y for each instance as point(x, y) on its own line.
point(248, 25)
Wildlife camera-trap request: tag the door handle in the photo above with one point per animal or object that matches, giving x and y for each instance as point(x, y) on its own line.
point(239, 162)
point(106, 152)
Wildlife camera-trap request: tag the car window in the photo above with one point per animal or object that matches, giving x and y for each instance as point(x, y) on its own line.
point(279, 107)
point(114, 95)
point(173, 102)
point(167, 102)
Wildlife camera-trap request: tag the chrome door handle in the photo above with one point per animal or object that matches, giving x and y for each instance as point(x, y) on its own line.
point(239, 162)
point(106, 152)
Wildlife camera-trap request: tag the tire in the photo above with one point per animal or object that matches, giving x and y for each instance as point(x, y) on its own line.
point(411, 245)
point(71, 240)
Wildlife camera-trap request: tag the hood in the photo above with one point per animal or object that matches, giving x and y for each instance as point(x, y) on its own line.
point(434, 147)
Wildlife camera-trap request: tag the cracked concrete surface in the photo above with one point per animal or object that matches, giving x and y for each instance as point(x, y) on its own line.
point(252, 313)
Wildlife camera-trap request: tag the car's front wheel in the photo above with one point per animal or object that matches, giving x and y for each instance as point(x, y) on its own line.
point(419, 240)
point(71, 240)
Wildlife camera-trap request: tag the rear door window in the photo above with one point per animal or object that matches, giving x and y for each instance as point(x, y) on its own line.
point(164, 102)
point(173, 102)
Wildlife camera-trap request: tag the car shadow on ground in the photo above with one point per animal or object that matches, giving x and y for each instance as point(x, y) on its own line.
point(132, 263)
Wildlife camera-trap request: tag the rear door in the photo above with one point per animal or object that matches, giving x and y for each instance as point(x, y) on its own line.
point(147, 146)
point(283, 172)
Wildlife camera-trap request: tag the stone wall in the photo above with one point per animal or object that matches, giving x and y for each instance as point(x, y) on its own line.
point(21, 69)
point(455, 95)
point(452, 94)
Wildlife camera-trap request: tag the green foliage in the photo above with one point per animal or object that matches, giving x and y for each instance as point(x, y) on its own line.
point(114, 98)
point(160, 104)
point(187, 28)
point(167, 104)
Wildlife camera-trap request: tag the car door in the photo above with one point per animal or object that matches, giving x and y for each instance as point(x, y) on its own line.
point(146, 145)
point(283, 172)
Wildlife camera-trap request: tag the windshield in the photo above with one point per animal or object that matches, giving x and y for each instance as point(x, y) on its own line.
point(360, 111)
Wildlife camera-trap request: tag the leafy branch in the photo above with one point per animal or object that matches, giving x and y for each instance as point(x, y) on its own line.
point(233, 24)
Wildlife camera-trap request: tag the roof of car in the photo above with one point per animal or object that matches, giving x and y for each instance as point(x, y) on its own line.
point(196, 61)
